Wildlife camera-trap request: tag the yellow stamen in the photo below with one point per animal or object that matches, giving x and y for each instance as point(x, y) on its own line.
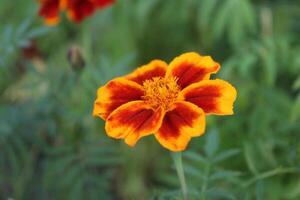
point(161, 92)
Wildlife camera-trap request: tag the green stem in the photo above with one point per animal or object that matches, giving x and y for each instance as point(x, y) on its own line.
point(204, 185)
point(177, 157)
point(269, 174)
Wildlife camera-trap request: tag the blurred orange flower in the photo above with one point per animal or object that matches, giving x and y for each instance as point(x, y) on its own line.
point(169, 101)
point(77, 10)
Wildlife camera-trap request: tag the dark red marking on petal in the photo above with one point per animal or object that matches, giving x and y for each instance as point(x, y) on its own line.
point(79, 9)
point(186, 120)
point(187, 74)
point(115, 93)
point(49, 8)
point(155, 68)
point(103, 3)
point(132, 121)
point(213, 96)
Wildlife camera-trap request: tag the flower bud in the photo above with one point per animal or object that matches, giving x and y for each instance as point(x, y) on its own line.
point(75, 58)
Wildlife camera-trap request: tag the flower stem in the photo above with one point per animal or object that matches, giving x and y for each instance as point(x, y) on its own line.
point(177, 157)
point(204, 185)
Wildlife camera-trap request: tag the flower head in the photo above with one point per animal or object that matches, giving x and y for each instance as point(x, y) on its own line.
point(169, 101)
point(77, 10)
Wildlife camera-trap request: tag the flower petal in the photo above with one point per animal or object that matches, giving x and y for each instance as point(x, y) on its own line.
point(103, 3)
point(184, 121)
point(132, 121)
point(115, 93)
point(79, 9)
point(191, 67)
point(50, 11)
point(155, 68)
point(213, 96)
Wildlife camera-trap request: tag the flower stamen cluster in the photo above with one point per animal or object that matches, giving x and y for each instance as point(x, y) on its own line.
point(161, 92)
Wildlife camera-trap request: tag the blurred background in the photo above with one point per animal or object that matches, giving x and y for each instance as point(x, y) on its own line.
point(52, 148)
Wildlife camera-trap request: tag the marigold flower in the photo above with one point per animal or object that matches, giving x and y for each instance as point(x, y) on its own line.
point(77, 10)
point(168, 101)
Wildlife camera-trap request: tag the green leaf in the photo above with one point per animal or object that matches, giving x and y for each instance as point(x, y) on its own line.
point(225, 155)
point(223, 175)
point(248, 14)
point(76, 190)
point(221, 18)
point(70, 175)
point(259, 190)
point(38, 32)
point(21, 31)
point(102, 161)
point(194, 172)
point(296, 84)
point(195, 157)
point(219, 193)
point(248, 152)
point(206, 11)
point(212, 143)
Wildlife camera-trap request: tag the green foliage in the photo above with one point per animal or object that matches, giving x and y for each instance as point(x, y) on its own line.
point(52, 147)
point(206, 169)
point(85, 171)
point(14, 38)
point(235, 18)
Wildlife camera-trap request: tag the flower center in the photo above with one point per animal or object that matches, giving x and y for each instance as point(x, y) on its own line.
point(160, 92)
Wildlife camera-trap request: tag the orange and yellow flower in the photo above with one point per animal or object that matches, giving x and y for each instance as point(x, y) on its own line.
point(77, 10)
point(169, 101)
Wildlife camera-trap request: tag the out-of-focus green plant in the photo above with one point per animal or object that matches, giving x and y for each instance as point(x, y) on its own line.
point(52, 148)
point(14, 39)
